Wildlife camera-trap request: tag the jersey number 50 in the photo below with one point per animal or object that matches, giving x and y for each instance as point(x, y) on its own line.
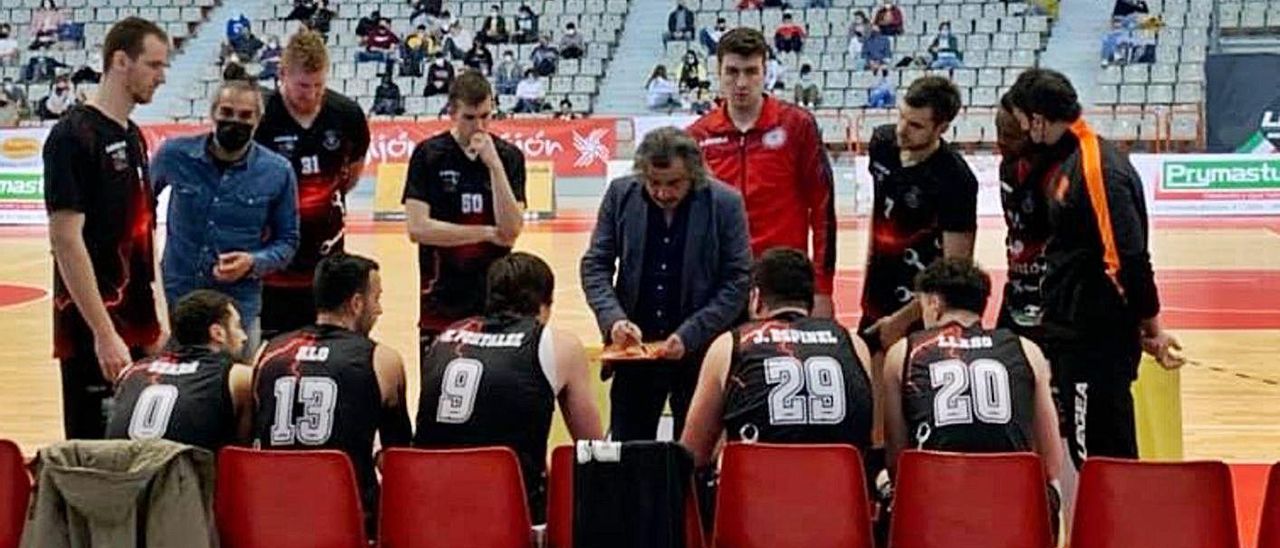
point(967, 391)
point(824, 379)
point(318, 396)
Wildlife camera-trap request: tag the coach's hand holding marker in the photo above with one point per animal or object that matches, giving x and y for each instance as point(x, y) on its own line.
point(625, 333)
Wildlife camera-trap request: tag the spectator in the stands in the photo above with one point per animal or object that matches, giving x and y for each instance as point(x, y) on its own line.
point(366, 24)
point(302, 10)
point(692, 72)
point(444, 23)
point(777, 4)
point(710, 37)
point(240, 36)
point(703, 100)
point(661, 92)
point(877, 50)
point(750, 4)
point(44, 26)
point(1116, 43)
point(572, 44)
point(889, 19)
point(269, 59)
point(860, 26)
point(379, 44)
point(807, 93)
point(545, 57)
point(41, 68)
point(565, 112)
point(322, 19)
point(439, 76)
point(418, 46)
point(13, 90)
point(8, 45)
point(789, 37)
point(459, 41)
point(679, 23)
point(530, 94)
point(87, 73)
point(775, 74)
point(479, 58)
point(507, 74)
point(9, 110)
point(945, 49)
point(882, 94)
point(60, 99)
point(387, 100)
point(494, 29)
point(526, 25)
point(425, 7)
point(232, 67)
point(1125, 8)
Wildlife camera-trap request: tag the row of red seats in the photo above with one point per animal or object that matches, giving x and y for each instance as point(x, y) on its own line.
point(770, 495)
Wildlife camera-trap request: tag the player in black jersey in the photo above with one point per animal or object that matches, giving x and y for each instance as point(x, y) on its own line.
point(784, 377)
point(195, 392)
point(462, 198)
point(959, 387)
point(925, 207)
point(495, 379)
point(325, 136)
point(328, 385)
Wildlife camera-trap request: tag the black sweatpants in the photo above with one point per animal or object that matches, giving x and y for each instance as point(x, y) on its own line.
point(1094, 399)
point(86, 395)
point(639, 391)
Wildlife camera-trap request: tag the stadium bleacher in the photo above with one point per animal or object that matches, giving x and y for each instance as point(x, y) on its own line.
point(600, 21)
point(180, 18)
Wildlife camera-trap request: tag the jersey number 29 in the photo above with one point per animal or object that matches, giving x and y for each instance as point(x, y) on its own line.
point(318, 396)
point(970, 390)
point(824, 379)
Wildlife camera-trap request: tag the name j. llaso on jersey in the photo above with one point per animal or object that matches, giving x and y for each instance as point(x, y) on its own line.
point(486, 340)
point(794, 336)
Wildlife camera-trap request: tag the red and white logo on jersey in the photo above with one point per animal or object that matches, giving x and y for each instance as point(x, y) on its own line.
point(775, 138)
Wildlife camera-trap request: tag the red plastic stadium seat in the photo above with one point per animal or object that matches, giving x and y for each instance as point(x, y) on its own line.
point(560, 498)
point(560, 504)
point(1269, 522)
point(949, 499)
point(285, 499)
point(792, 495)
point(15, 490)
point(459, 497)
point(1131, 504)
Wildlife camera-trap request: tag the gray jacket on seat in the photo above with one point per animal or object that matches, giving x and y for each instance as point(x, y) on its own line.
point(121, 494)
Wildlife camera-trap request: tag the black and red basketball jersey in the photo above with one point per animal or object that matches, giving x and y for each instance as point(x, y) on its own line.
point(458, 190)
point(912, 206)
point(316, 388)
point(181, 395)
point(321, 156)
point(96, 167)
point(484, 382)
point(968, 389)
point(796, 379)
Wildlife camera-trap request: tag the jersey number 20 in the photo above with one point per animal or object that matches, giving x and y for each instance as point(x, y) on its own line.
point(967, 391)
point(821, 375)
point(318, 396)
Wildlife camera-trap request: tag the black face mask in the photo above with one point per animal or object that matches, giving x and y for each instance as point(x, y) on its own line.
point(232, 135)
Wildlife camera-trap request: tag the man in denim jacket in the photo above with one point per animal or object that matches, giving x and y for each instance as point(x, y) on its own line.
point(233, 208)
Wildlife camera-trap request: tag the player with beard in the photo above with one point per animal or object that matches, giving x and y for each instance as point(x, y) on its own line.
point(325, 136)
point(107, 298)
point(328, 385)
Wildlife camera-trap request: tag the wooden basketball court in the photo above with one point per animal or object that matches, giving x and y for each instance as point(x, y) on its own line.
point(1218, 280)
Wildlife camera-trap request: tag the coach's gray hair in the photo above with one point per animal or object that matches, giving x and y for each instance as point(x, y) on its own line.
point(239, 86)
point(663, 145)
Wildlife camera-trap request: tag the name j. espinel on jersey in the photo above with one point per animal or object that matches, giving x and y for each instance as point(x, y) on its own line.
point(485, 340)
point(793, 336)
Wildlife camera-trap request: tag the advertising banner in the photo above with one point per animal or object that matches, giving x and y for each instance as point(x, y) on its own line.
point(577, 148)
point(1242, 105)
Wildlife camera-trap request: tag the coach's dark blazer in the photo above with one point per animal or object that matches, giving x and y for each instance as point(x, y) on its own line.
point(717, 260)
